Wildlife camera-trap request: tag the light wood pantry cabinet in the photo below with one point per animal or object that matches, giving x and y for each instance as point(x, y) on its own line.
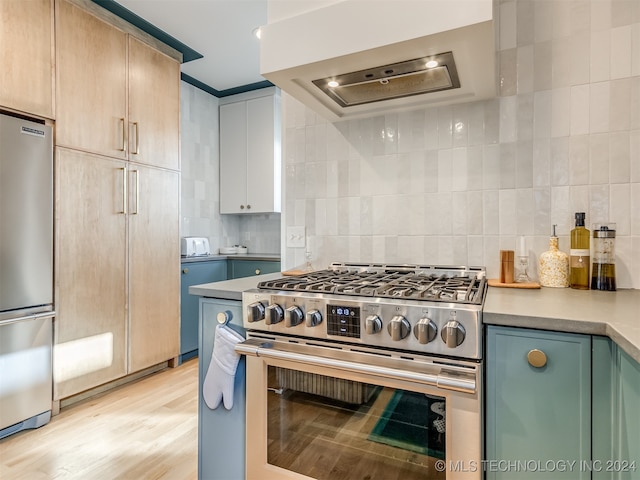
point(118, 280)
point(91, 271)
point(250, 153)
point(27, 56)
point(154, 266)
point(116, 95)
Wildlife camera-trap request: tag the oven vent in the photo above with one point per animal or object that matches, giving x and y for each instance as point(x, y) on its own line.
point(339, 389)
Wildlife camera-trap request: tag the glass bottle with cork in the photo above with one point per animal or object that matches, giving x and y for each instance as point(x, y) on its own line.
point(579, 255)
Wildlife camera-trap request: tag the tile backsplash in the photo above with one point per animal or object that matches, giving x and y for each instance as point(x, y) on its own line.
point(200, 208)
point(455, 184)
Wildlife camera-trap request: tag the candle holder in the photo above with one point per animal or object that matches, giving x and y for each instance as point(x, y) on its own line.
point(523, 267)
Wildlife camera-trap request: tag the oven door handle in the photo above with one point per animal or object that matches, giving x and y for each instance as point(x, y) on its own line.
point(260, 348)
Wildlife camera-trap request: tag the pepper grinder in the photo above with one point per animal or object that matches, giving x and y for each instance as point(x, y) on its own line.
point(523, 261)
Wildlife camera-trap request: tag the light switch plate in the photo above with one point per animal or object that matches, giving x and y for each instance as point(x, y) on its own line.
point(296, 237)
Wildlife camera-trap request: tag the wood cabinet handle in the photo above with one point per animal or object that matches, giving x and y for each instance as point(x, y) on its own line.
point(537, 358)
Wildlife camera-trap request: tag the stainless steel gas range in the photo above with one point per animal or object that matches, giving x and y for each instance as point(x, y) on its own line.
point(390, 353)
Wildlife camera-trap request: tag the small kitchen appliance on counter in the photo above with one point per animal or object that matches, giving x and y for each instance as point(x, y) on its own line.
point(194, 246)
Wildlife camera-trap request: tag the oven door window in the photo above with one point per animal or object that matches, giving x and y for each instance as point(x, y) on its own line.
point(336, 429)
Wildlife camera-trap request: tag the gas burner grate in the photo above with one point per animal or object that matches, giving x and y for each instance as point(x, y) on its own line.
point(403, 282)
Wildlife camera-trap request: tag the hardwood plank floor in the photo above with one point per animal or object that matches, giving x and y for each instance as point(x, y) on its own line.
point(147, 429)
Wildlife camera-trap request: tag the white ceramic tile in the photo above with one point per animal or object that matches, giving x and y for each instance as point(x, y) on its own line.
point(525, 31)
point(321, 218)
point(410, 249)
point(620, 208)
point(445, 250)
point(635, 46)
point(460, 250)
point(579, 61)
point(507, 218)
point(508, 72)
point(621, 52)
point(459, 125)
point(445, 127)
point(490, 212)
point(492, 121)
point(366, 215)
point(580, 110)
point(626, 263)
point(599, 99)
point(390, 134)
point(431, 250)
point(560, 213)
point(541, 211)
point(459, 180)
point(508, 119)
point(508, 165)
point(600, 55)
point(599, 203)
point(491, 254)
point(491, 167)
point(416, 221)
point(474, 167)
point(561, 13)
point(444, 213)
point(525, 210)
point(620, 104)
point(561, 62)
point(634, 104)
point(542, 66)
point(459, 213)
point(599, 158)
point(445, 170)
point(524, 117)
point(561, 112)
point(507, 25)
point(579, 198)
point(524, 164)
point(431, 129)
point(620, 164)
point(410, 131)
point(475, 246)
point(601, 14)
point(634, 155)
point(474, 213)
point(621, 12)
point(542, 114)
point(579, 160)
point(475, 123)
point(430, 182)
point(634, 214)
point(524, 58)
point(541, 162)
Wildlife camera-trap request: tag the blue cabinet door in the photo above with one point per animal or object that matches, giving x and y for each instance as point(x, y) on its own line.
point(616, 413)
point(538, 419)
point(195, 273)
point(221, 432)
point(248, 268)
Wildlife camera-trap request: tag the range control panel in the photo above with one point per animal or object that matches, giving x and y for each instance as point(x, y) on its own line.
point(423, 327)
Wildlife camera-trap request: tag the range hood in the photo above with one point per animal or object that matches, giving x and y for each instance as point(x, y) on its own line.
point(355, 58)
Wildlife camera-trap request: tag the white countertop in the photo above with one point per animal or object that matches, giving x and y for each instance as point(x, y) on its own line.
point(612, 314)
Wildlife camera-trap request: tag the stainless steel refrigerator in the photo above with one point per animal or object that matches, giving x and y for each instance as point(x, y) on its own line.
point(26, 274)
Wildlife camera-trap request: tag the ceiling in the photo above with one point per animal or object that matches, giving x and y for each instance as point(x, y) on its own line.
point(220, 30)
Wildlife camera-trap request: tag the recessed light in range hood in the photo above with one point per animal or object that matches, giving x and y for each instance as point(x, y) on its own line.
point(403, 79)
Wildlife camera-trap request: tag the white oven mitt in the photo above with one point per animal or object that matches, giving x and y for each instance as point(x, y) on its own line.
point(218, 382)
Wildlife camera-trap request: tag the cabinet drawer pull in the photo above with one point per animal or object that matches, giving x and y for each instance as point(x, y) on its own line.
point(537, 358)
point(257, 271)
point(124, 135)
point(185, 270)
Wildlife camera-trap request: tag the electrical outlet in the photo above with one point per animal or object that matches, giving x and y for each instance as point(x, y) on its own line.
point(296, 237)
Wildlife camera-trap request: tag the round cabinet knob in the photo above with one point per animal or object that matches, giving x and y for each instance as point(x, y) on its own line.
point(314, 317)
point(248, 207)
point(537, 358)
point(372, 324)
point(223, 317)
point(453, 333)
point(398, 327)
point(275, 314)
point(185, 270)
point(255, 312)
point(425, 331)
point(293, 316)
point(241, 207)
point(257, 271)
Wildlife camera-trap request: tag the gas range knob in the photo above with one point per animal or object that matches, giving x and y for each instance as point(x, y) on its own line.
point(372, 324)
point(255, 312)
point(275, 314)
point(398, 327)
point(314, 317)
point(293, 316)
point(425, 331)
point(453, 333)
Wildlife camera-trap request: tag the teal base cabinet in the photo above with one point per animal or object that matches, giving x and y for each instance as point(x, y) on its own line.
point(538, 404)
point(248, 268)
point(195, 273)
point(616, 413)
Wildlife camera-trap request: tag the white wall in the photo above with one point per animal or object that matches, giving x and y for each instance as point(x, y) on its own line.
point(454, 185)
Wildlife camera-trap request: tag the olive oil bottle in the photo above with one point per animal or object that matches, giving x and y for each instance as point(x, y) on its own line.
point(579, 262)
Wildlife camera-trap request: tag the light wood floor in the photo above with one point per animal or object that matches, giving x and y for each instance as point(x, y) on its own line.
point(144, 430)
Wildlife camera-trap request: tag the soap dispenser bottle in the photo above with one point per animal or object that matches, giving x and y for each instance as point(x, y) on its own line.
point(554, 265)
point(579, 262)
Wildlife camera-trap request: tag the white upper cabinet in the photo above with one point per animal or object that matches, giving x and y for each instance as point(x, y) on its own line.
point(250, 154)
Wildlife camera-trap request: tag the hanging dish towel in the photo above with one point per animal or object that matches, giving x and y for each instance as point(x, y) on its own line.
point(218, 382)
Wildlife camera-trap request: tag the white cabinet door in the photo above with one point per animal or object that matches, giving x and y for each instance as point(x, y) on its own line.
point(250, 155)
point(233, 157)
